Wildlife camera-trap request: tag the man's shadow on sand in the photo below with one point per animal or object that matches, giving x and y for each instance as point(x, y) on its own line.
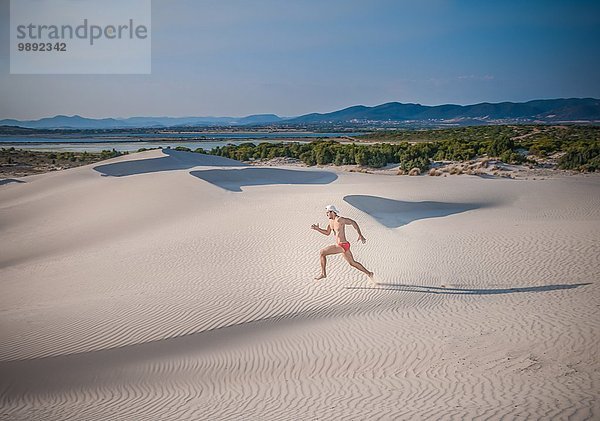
point(396, 213)
point(174, 160)
point(233, 179)
point(468, 291)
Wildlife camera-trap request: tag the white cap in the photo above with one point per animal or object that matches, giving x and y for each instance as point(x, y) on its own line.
point(332, 209)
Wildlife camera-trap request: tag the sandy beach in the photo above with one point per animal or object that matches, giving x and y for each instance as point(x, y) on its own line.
point(178, 286)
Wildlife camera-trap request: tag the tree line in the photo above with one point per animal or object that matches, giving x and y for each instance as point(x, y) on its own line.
point(578, 147)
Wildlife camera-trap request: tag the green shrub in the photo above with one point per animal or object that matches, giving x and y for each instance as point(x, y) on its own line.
point(377, 159)
point(361, 156)
point(308, 158)
point(323, 155)
point(418, 162)
point(500, 145)
point(106, 154)
point(544, 146)
point(511, 157)
point(339, 159)
point(581, 157)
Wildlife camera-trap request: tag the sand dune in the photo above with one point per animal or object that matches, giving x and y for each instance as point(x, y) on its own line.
point(173, 285)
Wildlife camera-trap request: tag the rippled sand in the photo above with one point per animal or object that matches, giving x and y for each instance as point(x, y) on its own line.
point(180, 286)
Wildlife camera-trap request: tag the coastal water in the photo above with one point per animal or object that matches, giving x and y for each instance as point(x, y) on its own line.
point(134, 141)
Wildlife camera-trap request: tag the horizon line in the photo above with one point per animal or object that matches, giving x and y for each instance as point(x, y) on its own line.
point(294, 116)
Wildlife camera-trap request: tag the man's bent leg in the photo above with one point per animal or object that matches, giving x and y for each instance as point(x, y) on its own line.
point(333, 249)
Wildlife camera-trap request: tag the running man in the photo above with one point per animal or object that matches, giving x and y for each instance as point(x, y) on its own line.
point(337, 224)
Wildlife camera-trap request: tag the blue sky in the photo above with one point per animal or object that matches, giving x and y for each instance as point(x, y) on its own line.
point(240, 57)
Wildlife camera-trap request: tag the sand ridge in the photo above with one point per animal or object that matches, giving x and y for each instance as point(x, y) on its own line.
point(182, 289)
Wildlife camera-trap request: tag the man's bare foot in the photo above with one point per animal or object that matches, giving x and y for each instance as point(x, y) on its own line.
point(321, 276)
point(371, 276)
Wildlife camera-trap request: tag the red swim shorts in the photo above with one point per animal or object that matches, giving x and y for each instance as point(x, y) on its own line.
point(345, 246)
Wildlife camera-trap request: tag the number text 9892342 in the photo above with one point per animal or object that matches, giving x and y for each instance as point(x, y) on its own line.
point(42, 46)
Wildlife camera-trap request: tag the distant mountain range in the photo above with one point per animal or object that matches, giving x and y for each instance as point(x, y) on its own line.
point(549, 110)
point(542, 111)
point(78, 122)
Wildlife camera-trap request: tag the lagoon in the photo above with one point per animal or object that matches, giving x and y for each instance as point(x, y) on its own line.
point(130, 142)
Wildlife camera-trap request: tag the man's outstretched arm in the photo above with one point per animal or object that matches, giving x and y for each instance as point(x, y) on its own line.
point(357, 228)
point(321, 230)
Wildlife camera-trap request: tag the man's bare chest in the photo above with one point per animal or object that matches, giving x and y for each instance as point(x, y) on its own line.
point(336, 226)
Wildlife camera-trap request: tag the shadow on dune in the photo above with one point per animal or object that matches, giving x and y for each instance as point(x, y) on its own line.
point(68, 372)
point(396, 213)
point(174, 160)
point(10, 180)
point(468, 291)
point(234, 179)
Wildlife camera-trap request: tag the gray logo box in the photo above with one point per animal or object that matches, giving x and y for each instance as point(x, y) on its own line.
point(80, 37)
